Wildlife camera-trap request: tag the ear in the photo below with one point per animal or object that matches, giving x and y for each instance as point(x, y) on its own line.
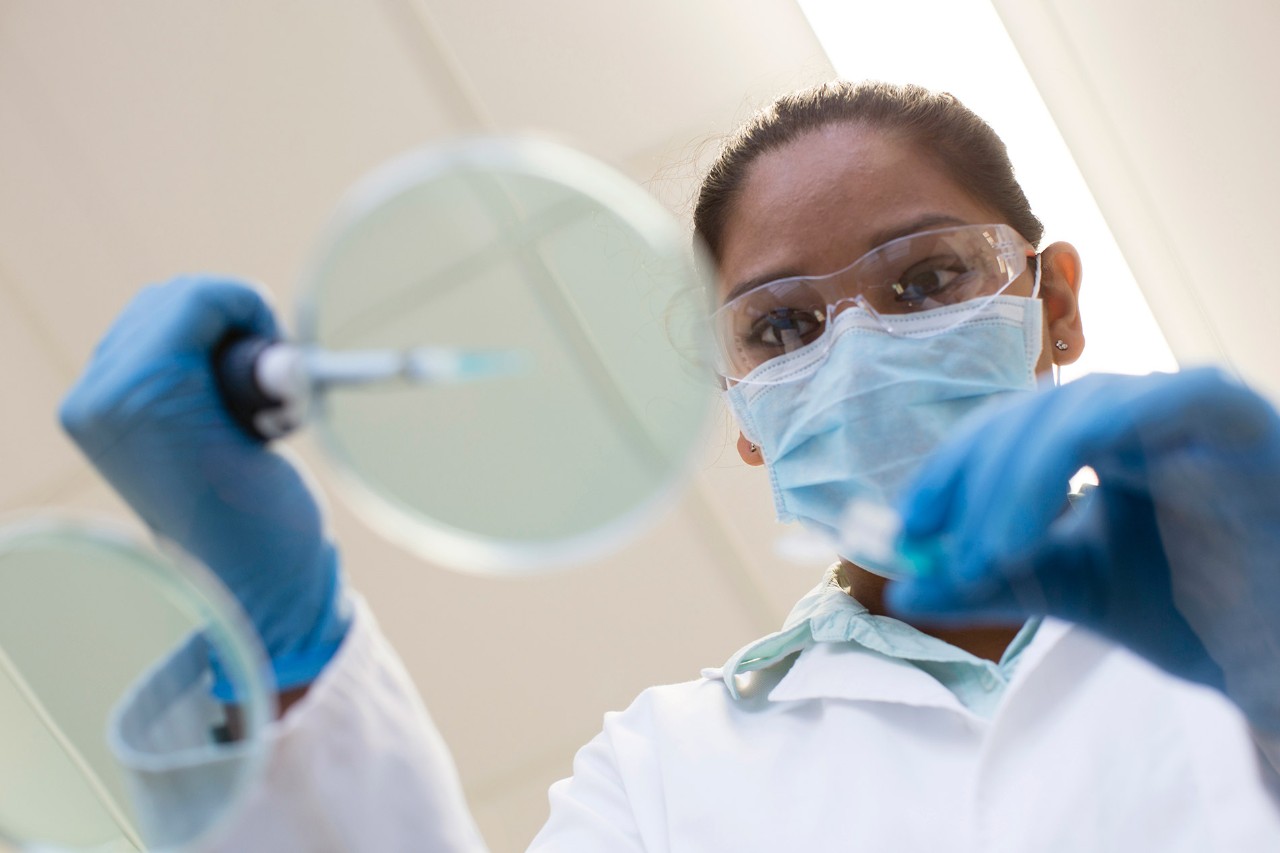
point(1060, 277)
point(749, 452)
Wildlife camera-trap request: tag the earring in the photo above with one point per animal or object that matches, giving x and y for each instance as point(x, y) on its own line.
point(1060, 344)
point(754, 448)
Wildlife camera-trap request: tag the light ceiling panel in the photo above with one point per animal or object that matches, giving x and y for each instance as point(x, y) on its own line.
point(1171, 113)
point(38, 459)
point(619, 78)
point(160, 138)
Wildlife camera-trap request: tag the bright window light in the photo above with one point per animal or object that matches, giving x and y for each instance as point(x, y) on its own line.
point(960, 46)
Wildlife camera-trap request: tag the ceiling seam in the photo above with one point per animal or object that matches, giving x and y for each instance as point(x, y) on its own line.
point(55, 491)
point(435, 61)
point(41, 331)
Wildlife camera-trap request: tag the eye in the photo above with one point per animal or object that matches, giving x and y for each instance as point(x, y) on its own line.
point(786, 328)
point(928, 279)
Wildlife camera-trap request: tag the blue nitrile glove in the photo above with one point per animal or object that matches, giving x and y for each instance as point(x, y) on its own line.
point(1176, 553)
point(147, 414)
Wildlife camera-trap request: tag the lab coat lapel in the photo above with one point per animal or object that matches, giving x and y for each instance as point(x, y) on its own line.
point(851, 672)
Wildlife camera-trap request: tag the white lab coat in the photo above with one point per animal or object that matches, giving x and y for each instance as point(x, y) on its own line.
point(1090, 749)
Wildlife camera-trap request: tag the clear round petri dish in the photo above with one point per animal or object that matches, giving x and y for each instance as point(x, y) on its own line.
point(534, 251)
point(88, 616)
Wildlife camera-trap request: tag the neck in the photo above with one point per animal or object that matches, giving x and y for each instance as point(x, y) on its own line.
point(988, 642)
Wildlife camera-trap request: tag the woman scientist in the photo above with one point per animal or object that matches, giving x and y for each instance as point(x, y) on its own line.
point(878, 281)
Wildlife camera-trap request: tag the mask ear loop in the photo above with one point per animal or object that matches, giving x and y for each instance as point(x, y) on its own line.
point(1035, 293)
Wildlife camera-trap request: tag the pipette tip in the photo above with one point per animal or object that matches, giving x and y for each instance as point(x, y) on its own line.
point(871, 534)
point(487, 364)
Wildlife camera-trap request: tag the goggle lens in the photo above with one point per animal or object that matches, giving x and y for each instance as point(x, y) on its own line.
point(932, 269)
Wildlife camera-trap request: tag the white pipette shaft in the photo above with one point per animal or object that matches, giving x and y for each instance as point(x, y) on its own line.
point(286, 376)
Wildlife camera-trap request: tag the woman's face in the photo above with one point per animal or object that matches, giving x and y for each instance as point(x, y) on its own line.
point(830, 196)
point(823, 200)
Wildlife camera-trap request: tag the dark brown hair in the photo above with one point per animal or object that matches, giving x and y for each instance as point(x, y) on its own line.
point(962, 142)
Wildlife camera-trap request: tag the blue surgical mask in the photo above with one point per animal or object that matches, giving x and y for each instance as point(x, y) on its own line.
point(858, 425)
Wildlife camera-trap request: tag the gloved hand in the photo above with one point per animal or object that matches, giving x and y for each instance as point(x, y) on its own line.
point(147, 414)
point(1176, 553)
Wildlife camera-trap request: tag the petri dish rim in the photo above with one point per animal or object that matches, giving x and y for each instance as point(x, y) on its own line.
point(526, 157)
point(194, 591)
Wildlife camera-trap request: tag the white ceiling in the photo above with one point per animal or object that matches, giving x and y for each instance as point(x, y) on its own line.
point(144, 139)
point(1171, 112)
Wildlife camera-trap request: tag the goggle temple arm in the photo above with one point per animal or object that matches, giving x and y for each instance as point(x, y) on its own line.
point(865, 304)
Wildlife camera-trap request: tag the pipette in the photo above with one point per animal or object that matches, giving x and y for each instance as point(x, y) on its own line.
point(871, 536)
point(269, 385)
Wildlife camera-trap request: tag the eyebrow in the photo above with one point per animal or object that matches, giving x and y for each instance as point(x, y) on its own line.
point(923, 223)
point(753, 283)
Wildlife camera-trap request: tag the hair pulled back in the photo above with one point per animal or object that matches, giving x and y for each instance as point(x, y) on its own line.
point(965, 145)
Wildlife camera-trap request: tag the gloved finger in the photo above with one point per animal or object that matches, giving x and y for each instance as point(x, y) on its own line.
point(1003, 478)
point(1148, 415)
point(209, 307)
point(941, 603)
point(1063, 573)
point(926, 505)
point(977, 451)
point(995, 490)
point(164, 334)
point(1224, 413)
point(1058, 578)
point(186, 315)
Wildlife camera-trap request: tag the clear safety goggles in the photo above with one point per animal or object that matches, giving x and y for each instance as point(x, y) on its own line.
point(969, 265)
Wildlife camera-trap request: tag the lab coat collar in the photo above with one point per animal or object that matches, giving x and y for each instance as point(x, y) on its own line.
point(856, 672)
point(846, 652)
point(848, 671)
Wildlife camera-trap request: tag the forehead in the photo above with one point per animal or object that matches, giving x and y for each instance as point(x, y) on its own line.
point(817, 203)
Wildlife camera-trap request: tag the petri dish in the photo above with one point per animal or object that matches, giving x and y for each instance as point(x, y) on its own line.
point(86, 613)
point(525, 247)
